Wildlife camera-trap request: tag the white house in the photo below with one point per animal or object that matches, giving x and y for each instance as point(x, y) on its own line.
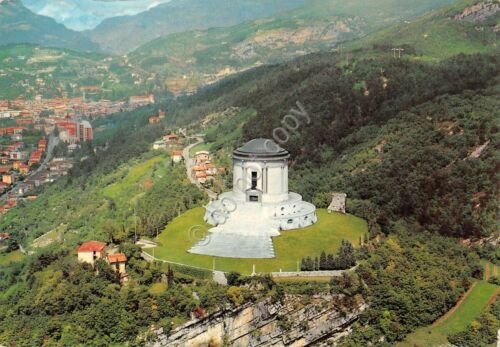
point(160, 144)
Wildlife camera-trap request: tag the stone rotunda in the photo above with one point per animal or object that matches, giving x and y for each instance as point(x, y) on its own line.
point(258, 208)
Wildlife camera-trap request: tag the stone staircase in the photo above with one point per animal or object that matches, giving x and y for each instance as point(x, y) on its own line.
point(243, 228)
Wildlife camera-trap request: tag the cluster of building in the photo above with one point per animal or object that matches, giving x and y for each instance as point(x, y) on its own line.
point(71, 131)
point(203, 170)
point(56, 168)
point(91, 251)
point(172, 143)
point(17, 162)
point(75, 107)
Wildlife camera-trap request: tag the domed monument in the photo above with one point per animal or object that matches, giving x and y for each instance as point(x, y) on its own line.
point(258, 208)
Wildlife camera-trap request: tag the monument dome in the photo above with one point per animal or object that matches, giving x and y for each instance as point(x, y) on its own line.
point(258, 207)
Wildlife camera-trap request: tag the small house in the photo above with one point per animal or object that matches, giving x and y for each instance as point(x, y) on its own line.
point(90, 251)
point(118, 261)
point(177, 156)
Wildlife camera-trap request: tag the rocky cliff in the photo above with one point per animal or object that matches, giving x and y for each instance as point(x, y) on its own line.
point(480, 12)
point(296, 321)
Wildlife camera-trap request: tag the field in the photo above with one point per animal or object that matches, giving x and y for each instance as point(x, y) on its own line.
point(459, 317)
point(12, 257)
point(130, 181)
point(184, 231)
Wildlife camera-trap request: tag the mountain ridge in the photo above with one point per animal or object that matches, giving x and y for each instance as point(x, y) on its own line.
point(123, 34)
point(20, 25)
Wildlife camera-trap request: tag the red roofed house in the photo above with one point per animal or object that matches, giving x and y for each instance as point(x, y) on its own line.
point(42, 144)
point(201, 177)
point(36, 157)
point(117, 262)
point(211, 169)
point(170, 138)
point(24, 169)
point(90, 251)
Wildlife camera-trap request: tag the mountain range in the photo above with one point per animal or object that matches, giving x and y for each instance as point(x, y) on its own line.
point(87, 14)
point(184, 62)
point(20, 25)
point(125, 32)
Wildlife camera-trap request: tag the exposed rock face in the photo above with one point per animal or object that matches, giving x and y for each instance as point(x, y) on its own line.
point(338, 203)
point(298, 321)
point(480, 11)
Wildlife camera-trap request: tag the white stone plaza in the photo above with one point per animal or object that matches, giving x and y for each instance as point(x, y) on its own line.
point(258, 208)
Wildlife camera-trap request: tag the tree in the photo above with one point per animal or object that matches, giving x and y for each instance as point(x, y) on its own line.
point(323, 262)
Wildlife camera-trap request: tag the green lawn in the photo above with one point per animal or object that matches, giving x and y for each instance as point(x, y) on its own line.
point(12, 257)
point(470, 309)
point(184, 231)
point(134, 177)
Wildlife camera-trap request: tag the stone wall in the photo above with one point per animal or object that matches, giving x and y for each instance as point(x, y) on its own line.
point(326, 273)
point(297, 321)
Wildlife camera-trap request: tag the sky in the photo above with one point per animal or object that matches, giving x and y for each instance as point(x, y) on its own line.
point(87, 14)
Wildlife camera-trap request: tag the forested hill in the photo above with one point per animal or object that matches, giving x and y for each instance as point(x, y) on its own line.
point(393, 133)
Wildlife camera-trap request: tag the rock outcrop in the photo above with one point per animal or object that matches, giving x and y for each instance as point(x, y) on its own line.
point(297, 321)
point(480, 11)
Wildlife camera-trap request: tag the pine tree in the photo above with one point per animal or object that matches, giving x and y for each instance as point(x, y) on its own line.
point(323, 261)
point(170, 277)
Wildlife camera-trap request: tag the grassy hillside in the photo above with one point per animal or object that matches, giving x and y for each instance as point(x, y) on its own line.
point(440, 34)
point(291, 246)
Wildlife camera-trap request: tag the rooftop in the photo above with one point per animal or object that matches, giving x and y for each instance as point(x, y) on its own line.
point(117, 258)
point(261, 149)
point(92, 246)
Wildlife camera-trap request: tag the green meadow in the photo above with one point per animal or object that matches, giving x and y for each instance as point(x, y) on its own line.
point(290, 247)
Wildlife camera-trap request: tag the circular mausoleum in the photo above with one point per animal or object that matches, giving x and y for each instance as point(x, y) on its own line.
point(258, 207)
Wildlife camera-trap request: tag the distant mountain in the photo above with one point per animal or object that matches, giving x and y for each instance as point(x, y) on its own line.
point(124, 34)
point(87, 14)
point(20, 25)
point(188, 60)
